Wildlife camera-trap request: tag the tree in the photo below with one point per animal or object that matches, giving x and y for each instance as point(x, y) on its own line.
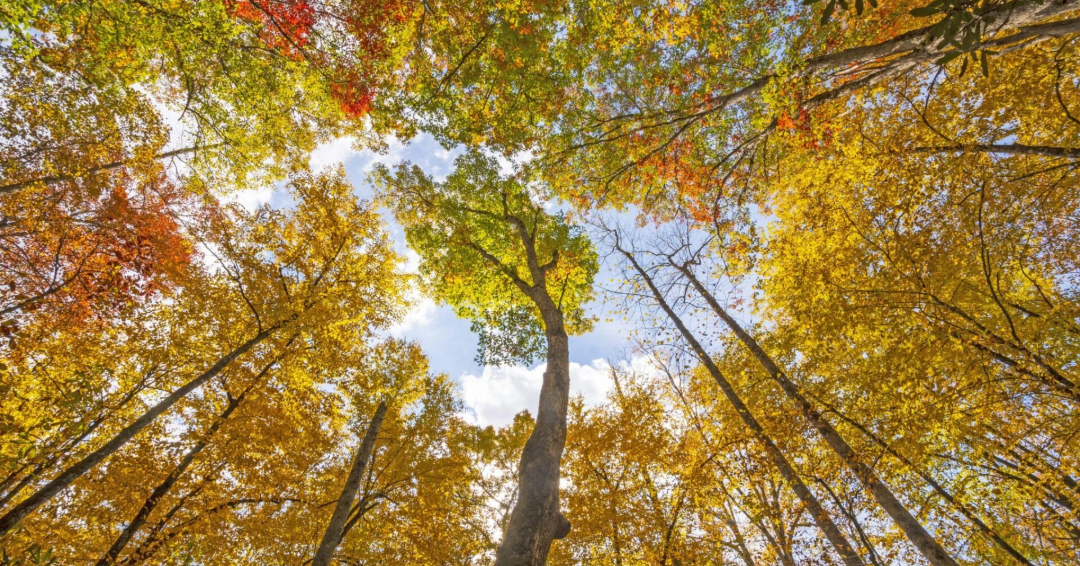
point(324, 270)
point(820, 516)
point(344, 507)
point(256, 83)
point(488, 248)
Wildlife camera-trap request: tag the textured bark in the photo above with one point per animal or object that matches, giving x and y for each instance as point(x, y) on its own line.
point(332, 536)
point(76, 470)
point(903, 52)
point(1004, 148)
point(820, 516)
point(65, 447)
point(916, 533)
point(536, 520)
point(1024, 20)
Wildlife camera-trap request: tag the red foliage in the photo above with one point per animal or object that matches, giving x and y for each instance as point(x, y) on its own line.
point(284, 25)
point(287, 26)
point(353, 97)
point(82, 256)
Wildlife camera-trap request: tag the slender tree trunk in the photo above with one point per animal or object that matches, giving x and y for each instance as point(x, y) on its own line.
point(1004, 148)
point(921, 40)
point(28, 505)
point(938, 488)
point(923, 541)
point(818, 513)
point(740, 540)
point(871, 552)
point(1055, 377)
point(61, 449)
point(332, 536)
point(163, 488)
point(1027, 22)
point(362, 507)
point(536, 520)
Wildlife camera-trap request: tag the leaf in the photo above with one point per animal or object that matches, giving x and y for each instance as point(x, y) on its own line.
point(828, 13)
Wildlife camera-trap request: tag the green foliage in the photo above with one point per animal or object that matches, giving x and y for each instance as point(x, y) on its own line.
point(508, 336)
point(484, 241)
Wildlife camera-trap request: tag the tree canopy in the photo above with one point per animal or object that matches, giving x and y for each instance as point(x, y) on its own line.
point(830, 247)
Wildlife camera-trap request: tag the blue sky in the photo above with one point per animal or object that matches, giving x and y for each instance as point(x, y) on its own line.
point(492, 395)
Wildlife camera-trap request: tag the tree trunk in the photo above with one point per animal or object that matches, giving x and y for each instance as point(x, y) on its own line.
point(820, 516)
point(923, 541)
point(938, 488)
point(28, 505)
point(332, 536)
point(152, 501)
point(61, 449)
point(536, 520)
point(1005, 148)
point(921, 39)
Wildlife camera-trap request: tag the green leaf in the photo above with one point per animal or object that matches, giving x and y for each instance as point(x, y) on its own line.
point(968, 42)
point(985, 64)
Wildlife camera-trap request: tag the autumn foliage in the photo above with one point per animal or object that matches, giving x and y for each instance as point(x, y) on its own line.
point(832, 247)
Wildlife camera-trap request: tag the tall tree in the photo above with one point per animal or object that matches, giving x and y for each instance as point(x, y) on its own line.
point(489, 249)
point(344, 506)
point(323, 267)
point(821, 517)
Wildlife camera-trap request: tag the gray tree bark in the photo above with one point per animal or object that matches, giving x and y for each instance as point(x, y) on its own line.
point(332, 536)
point(916, 533)
point(536, 521)
point(818, 513)
point(167, 484)
point(76, 470)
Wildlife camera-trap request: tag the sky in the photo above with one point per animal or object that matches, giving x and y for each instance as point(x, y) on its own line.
point(492, 395)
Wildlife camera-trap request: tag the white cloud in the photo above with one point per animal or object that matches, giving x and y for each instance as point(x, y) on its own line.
point(421, 310)
point(499, 393)
point(250, 199)
point(395, 150)
point(332, 153)
point(419, 315)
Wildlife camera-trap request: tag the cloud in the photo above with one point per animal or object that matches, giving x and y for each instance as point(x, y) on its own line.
point(420, 314)
point(395, 150)
point(499, 393)
point(332, 153)
point(422, 309)
point(251, 199)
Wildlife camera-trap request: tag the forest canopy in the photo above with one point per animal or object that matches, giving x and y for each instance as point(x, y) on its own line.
point(830, 248)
